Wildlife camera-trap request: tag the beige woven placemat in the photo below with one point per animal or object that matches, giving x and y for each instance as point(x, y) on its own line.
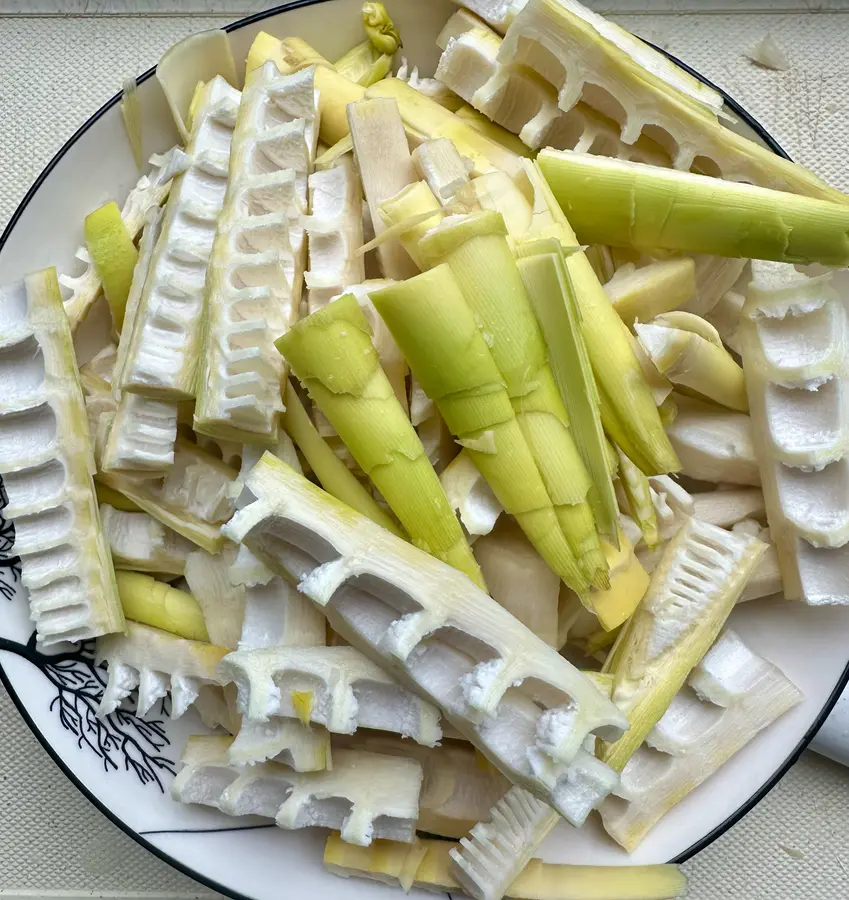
point(54, 72)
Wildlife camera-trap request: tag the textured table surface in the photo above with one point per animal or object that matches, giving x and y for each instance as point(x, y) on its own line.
point(56, 70)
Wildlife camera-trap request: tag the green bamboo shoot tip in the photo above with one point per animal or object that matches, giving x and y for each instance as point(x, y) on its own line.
point(334, 476)
point(332, 354)
point(648, 207)
point(154, 603)
point(435, 328)
point(380, 28)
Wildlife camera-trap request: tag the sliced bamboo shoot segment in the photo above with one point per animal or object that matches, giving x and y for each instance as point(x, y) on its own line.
point(727, 508)
point(427, 865)
point(155, 603)
point(222, 603)
point(157, 663)
point(725, 318)
point(732, 694)
point(637, 492)
point(335, 231)
point(641, 294)
point(442, 167)
point(386, 167)
point(278, 615)
point(410, 214)
point(715, 275)
point(433, 628)
point(336, 687)
point(714, 445)
point(700, 577)
point(138, 542)
point(488, 861)
point(285, 741)
point(253, 291)
point(332, 354)
point(46, 463)
point(693, 363)
point(470, 495)
point(795, 335)
point(589, 59)
point(429, 120)
point(525, 104)
point(141, 437)
point(150, 193)
point(457, 790)
point(375, 796)
point(160, 353)
point(662, 208)
point(519, 578)
point(193, 498)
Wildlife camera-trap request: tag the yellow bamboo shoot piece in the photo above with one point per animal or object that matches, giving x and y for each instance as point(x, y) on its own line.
point(154, 603)
point(427, 864)
point(693, 363)
point(114, 255)
point(641, 294)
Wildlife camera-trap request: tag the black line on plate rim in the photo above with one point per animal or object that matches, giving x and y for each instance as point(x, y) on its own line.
point(207, 830)
point(137, 836)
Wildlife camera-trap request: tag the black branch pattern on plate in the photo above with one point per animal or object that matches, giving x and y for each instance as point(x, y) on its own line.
point(120, 740)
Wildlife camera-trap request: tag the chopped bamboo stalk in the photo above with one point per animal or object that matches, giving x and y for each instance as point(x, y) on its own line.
point(427, 864)
point(727, 508)
point(411, 205)
point(46, 466)
point(114, 498)
point(542, 267)
point(430, 120)
point(333, 475)
point(332, 354)
point(154, 603)
point(442, 167)
point(498, 192)
point(638, 493)
point(159, 357)
point(648, 207)
point(335, 231)
point(700, 577)
point(714, 445)
point(695, 364)
point(386, 167)
point(496, 851)
point(476, 249)
point(435, 328)
point(641, 294)
point(519, 579)
point(255, 279)
point(193, 498)
point(139, 543)
point(628, 410)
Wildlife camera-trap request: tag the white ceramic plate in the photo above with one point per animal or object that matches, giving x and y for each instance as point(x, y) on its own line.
point(124, 765)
